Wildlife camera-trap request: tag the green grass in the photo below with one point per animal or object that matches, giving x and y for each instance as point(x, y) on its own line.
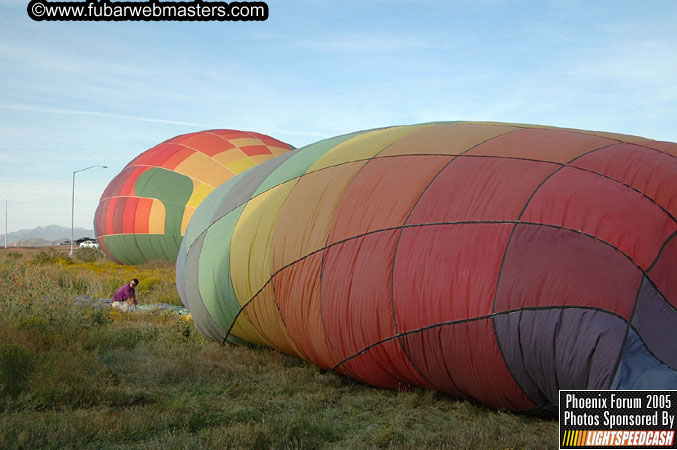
point(75, 377)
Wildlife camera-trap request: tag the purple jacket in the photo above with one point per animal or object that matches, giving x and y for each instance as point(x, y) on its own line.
point(124, 293)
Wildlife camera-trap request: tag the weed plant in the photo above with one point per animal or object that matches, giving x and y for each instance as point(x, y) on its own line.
point(79, 377)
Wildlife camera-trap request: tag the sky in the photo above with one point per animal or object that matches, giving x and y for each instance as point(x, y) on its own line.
point(80, 94)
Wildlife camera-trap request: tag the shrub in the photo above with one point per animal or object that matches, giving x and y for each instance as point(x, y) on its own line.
point(50, 256)
point(149, 284)
point(72, 284)
point(34, 324)
point(89, 254)
point(16, 363)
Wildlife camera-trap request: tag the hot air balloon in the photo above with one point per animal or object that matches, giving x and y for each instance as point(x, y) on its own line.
point(144, 211)
point(489, 261)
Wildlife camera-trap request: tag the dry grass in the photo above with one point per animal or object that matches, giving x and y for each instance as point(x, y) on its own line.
point(88, 378)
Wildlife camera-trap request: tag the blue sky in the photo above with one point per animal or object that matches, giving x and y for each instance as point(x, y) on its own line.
point(75, 94)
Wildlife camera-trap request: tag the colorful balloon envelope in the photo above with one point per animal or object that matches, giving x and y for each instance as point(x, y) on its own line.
point(495, 262)
point(144, 211)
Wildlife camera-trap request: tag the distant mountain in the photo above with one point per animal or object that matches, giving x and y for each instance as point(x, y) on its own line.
point(31, 242)
point(45, 235)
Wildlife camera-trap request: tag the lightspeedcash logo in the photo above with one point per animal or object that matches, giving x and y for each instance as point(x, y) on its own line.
point(617, 419)
point(618, 438)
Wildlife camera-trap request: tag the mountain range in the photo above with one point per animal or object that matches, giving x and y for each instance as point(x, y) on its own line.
point(42, 236)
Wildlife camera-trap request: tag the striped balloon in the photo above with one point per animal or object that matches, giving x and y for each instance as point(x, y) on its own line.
point(144, 211)
point(497, 262)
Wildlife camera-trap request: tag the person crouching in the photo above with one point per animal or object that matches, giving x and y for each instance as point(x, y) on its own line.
point(125, 297)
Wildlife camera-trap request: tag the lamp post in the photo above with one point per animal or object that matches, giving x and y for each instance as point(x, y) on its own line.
point(73, 203)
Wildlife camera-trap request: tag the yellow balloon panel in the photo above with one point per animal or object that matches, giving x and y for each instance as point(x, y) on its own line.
point(263, 313)
point(250, 256)
point(200, 192)
point(201, 167)
point(243, 329)
point(447, 139)
point(156, 218)
point(241, 164)
point(187, 215)
point(363, 146)
point(278, 150)
point(245, 142)
point(229, 156)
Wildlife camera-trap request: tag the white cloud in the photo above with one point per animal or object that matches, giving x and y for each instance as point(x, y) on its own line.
point(19, 107)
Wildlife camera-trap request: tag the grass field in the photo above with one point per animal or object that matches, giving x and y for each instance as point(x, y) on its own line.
point(77, 377)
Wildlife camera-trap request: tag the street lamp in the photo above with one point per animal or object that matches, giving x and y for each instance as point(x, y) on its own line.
point(73, 203)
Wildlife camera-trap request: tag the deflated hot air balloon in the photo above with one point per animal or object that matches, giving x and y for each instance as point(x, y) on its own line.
point(144, 211)
point(495, 262)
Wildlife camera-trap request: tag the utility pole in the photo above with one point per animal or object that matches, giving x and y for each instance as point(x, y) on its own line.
point(73, 204)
